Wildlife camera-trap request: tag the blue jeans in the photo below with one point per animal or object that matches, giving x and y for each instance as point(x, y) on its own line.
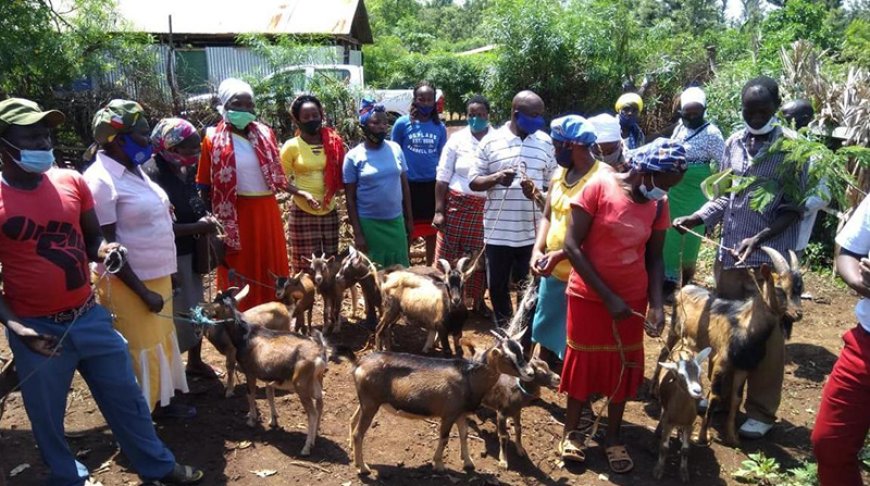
point(100, 354)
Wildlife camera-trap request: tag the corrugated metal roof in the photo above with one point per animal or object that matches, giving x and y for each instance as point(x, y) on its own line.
point(231, 17)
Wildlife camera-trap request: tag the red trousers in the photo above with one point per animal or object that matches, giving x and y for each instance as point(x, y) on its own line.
point(843, 421)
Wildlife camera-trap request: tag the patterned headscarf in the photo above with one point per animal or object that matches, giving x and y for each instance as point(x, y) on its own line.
point(661, 155)
point(367, 108)
point(170, 132)
point(117, 117)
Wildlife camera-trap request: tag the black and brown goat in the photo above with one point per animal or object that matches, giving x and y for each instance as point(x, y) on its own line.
point(737, 331)
point(357, 268)
point(298, 291)
point(421, 387)
point(284, 360)
point(428, 298)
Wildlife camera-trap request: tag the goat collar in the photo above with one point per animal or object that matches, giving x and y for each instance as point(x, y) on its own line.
point(523, 389)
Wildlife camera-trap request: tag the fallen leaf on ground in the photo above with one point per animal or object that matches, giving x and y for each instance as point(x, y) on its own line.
point(264, 473)
point(18, 470)
point(243, 444)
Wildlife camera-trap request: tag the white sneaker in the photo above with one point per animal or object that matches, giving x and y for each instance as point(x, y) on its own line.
point(753, 429)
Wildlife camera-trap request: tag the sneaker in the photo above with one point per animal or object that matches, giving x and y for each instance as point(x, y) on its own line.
point(754, 429)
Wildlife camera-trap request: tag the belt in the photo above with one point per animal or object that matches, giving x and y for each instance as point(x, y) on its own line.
point(70, 314)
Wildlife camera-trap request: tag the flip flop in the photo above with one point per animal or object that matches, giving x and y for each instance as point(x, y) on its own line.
point(181, 475)
point(571, 449)
point(617, 454)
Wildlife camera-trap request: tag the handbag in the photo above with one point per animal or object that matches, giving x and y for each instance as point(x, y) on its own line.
point(208, 253)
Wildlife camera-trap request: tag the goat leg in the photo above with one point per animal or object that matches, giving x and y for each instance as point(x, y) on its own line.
point(310, 410)
point(231, 373)
point(430, 341)
point(467, 463)
point(684, 453)
point(270, 395)
point(518, 433)
point(735, 396)
point(443, 436)
point(253, 413)
point(457, 346)
point(444, 338)
point(501, 427)
point(364, 420)
point(664, 442)
point(354, 420)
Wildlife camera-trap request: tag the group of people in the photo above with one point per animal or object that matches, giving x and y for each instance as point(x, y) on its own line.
point(599, 215)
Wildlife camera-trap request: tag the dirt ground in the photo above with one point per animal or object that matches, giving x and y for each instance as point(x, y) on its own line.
point(399, 450)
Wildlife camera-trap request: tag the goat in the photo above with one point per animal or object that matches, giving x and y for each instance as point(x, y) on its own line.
point(277, 316)
point(509, 396)
point(284, 360)
point(331, 286)
point(356, 268)
point(737, 331)
point(297, 290)
point(428, 298)
point(679, 392)
point(419, 387)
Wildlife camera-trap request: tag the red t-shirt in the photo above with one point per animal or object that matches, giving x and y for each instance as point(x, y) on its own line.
point(45, 263)
point(617, 238)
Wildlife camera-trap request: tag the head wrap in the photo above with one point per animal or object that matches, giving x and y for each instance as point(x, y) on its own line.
point(170, 132)
point(607, 128)
point(19, 111)
point(661, 155)
point(117, 117)
point(629, 98)
point(693, 95)
point(230, 88)
point(368, 107)
point(573, 129)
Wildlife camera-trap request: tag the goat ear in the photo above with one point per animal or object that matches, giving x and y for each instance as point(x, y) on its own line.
point(765, 271)
point(668, 365)
point(242, 293)
point(330, 259)
point(519, 335)
point(306, 260)
point(445, 265)
point(703, 355)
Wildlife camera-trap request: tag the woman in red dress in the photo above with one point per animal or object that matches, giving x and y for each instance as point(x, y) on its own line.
point(614, 242)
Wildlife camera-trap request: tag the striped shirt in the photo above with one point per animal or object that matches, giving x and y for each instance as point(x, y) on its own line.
point(738, 220)
point(509, 217)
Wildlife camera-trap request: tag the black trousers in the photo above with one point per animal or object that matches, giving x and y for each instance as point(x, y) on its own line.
point(504, 265)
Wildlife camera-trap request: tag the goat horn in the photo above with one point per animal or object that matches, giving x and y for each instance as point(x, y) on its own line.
point(795, 261)
point(242, 293)
point(272, 275)
point(445, 265)
point(779, 263)
point(460, 265)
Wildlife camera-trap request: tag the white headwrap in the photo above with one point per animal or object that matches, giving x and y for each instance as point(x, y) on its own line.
point(693, 95)
point(229, 88)
point(606, 128)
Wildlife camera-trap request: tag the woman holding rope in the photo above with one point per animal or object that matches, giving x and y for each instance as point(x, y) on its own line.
point(614, 242)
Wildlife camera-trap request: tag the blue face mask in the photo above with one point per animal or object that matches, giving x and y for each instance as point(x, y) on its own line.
point(654, 194)
point(529, 124)
point(138, 154)
point(424, 110)
point(33, 161)
point(477, 124)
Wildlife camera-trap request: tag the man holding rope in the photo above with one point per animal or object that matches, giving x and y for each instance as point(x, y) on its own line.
point(49, 231)
point(744, 230)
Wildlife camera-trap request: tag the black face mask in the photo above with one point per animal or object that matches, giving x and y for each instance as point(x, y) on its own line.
point(693, 123)
point(311, 127)
point(375, 138)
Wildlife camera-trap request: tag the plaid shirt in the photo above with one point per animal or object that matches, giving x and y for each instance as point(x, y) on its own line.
point(738, 220)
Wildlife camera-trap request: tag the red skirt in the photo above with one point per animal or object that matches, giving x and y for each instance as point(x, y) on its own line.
point(264, 250)
point(592, 362)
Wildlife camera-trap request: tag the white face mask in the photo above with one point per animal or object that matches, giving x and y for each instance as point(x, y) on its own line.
point(767, 128)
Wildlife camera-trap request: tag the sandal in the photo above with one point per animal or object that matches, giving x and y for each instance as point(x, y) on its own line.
point(571, 449)
point(182, 475)
point(617, 454)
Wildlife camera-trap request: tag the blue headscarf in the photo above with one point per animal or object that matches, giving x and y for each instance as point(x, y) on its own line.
point(573, 129)
point(368, 107)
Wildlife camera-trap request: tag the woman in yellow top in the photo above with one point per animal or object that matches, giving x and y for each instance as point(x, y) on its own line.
point(573, 137)
point(312, 160)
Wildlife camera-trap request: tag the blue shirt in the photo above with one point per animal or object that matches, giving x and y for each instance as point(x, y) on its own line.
point(378, 177)
point(422, 143)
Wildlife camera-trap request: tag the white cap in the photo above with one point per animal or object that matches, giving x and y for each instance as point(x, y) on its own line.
point(606, 128)
point(693, 95)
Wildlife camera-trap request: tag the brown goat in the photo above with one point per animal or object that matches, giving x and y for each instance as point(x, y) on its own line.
point(276, 316)
point(299, 291)
point(679, 391)
point(508, 398)
point(737, 331)
point(419, 387)
point(284, 360)
point(356, 268)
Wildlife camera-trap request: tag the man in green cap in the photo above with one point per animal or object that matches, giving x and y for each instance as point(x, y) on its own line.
point(48, 234)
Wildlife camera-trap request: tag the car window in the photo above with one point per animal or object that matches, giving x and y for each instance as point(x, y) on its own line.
point(342, 75)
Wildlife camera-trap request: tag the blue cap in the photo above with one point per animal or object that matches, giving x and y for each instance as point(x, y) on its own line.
point(573, 129)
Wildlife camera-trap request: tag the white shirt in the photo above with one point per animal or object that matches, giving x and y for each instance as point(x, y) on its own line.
point(509, 217)
point(855, 237)
point(457, 159)
point(139, 208)
point(811, 209)
point(249, 174)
